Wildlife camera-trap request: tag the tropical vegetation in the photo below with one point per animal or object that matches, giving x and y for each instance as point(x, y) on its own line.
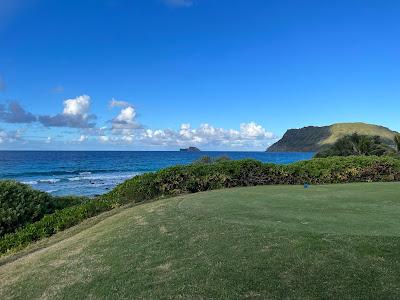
point(397, 142)
point(21, 205)
point(196, 178)
point(357, 144)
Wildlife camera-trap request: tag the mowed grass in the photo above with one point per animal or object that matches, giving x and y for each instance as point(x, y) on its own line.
point(332, 241)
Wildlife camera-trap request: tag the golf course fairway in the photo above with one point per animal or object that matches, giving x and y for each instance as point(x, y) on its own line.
point(328, 241)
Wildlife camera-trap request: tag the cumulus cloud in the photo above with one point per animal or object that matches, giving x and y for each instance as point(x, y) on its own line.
point(95, 131)
point(253, 130)
point(103, 138)
point(82, 138)
point(179, 3)
point(124, 128)
point(75, 114)
point(127, 115)
point(77, 106)
point(125, 122)
point(249, 135)
point(10, 136)
point(14, 113)
point(3, 136)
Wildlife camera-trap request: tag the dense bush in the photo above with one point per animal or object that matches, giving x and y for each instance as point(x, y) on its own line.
point(51, 224)
point(210, 160)
point(20, 205)
point(202, 177)
point(397, 142)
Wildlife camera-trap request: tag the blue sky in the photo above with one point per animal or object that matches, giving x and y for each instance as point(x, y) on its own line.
point(218, 74)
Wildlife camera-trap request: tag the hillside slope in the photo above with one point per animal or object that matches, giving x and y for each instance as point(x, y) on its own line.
point(312, 138)
point(334, 241)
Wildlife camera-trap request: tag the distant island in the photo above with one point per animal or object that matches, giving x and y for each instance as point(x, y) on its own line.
point(313, 138)
point(190, 149)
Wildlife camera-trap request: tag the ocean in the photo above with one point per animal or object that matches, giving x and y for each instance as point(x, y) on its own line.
point(92, 173)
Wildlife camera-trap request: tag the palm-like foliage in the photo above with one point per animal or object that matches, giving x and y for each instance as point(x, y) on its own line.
point(397, 141)
point(356, 144)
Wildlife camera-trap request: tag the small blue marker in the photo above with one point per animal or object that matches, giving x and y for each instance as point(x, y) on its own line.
point(306, 185)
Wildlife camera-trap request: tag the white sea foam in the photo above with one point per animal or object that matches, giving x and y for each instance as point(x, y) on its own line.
point(85, 173)
point(103, 177)
point(51, 191)
point(50, 180)
point(74, 179)
point(109, 177)
point(31, 182)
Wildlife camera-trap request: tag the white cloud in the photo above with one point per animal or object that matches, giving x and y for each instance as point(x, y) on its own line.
point(254, 130)
point(118, 103)
point(103, 138)
point(77, 106)
point(127, 115)
point(3, 136)
point(249, 135)
point(82, 138)
point(75, 114)
point(127, 138)
point(124, 128)
point(125, 122)
point(10, 136)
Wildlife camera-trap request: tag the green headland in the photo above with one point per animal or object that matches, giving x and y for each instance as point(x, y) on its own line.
point(314, 138)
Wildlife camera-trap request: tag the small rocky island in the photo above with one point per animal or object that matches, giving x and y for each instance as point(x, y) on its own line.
point(190, 149)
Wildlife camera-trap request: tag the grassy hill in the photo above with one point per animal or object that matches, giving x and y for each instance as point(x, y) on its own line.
point(316, 138)
point(328, 241)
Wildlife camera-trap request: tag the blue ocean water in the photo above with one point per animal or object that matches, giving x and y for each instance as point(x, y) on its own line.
point(91, 173)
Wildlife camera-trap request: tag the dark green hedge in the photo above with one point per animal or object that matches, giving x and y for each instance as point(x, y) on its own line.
point(21, 205)
point(202, 177)
point(226, 174)
point(51, 224)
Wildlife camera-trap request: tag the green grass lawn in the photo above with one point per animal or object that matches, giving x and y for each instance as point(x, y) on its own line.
point(332, 241)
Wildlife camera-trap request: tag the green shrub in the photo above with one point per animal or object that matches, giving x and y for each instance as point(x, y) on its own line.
point(222, 158)
point(397, 142)
point(51, 224)
point(202, 177)
point(20, 205)
point(210, 160)
point(204, 160)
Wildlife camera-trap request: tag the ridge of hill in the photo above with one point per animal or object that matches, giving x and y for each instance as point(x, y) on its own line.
point(315, 138)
